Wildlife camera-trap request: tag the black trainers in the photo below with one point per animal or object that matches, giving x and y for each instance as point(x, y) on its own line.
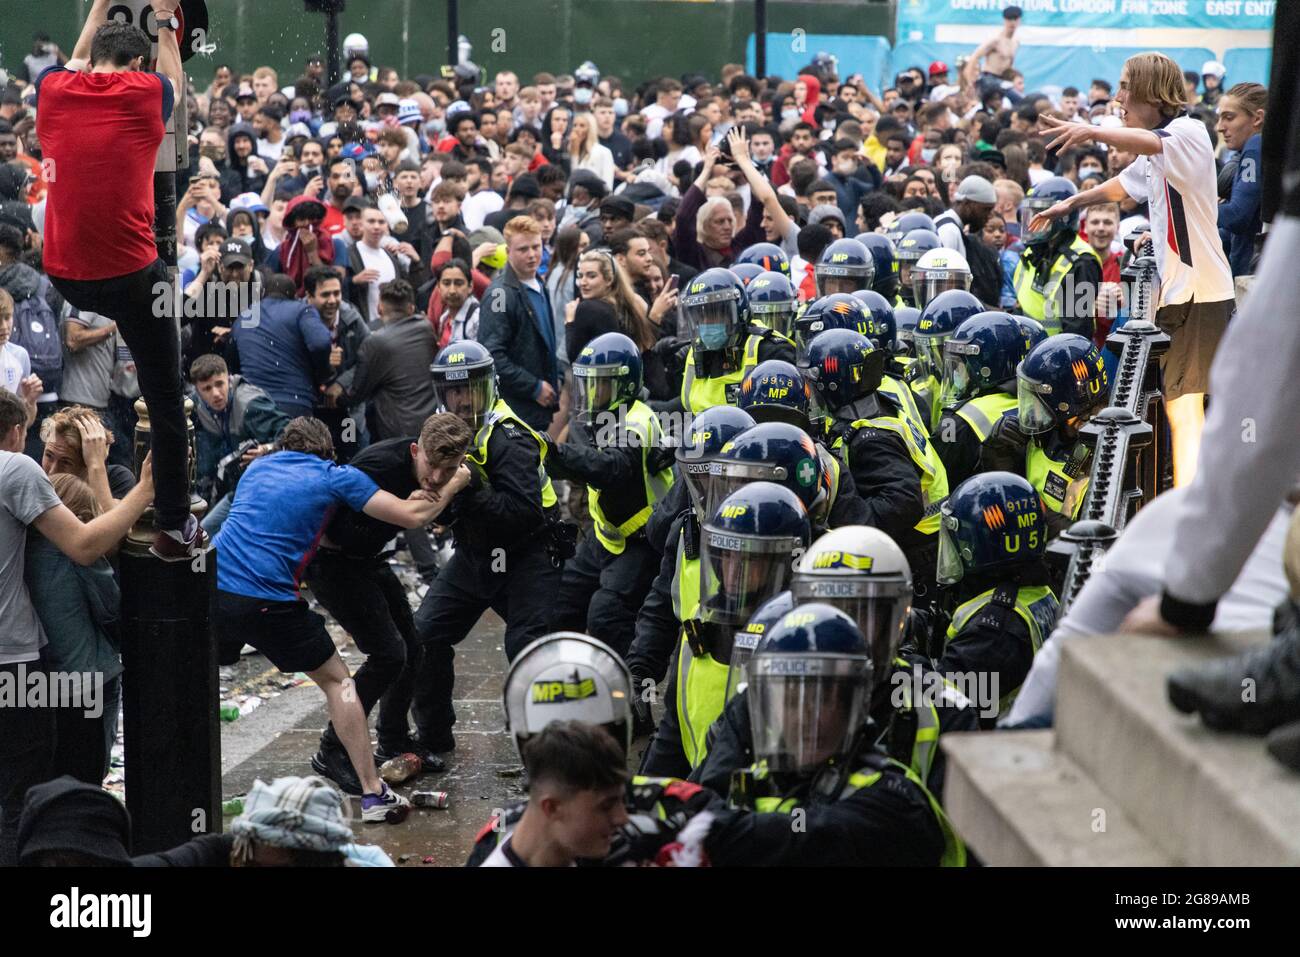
point(1254, 692)
point(180, 546)
point(429, 762)
point(334, 763)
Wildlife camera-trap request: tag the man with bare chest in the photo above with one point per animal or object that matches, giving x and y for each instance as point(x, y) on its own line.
point(998, 54)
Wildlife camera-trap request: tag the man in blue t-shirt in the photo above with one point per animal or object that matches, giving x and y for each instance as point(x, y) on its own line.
point(282, 505)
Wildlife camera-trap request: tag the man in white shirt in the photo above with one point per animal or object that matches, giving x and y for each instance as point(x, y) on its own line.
point(270, 134)
point(481, 200)
point(667, 100)
point(378, 263)
point(1175, 174)
point(577, 780)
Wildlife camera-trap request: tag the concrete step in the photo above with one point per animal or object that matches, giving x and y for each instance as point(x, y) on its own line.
point(1204, 798)
point(1018, 802)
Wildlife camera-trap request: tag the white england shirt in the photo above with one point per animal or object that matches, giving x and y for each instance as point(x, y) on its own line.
point(1179, 186)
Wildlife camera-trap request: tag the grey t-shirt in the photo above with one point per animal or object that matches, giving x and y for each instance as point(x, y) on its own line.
point(88, 373)
point(25, 495)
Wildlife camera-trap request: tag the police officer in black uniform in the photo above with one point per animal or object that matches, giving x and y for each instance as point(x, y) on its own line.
point(615, 449)
point(508, 553)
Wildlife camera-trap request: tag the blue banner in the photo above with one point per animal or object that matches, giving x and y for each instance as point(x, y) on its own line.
point(920, 16)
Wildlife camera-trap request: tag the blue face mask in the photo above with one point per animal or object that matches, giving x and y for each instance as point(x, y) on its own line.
point(712, 336)
point(928, 155)
point(620, 106)
point(582, 94)
point(300, 116)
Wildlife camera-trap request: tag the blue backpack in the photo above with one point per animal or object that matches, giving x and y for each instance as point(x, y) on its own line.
point(36, 329)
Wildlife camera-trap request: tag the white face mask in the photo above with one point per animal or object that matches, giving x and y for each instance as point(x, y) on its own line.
point(620, 107)
point(246, 240)
point(928, 155)
point(582, 94)
point(791, 114)
point(372, 182)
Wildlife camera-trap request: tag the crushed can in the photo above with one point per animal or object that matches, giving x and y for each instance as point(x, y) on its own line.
point(434, 799)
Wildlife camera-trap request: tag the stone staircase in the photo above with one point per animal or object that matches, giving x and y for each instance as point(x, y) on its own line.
point(1123, 779)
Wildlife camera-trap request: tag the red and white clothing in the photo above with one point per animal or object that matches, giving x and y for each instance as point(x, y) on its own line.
point(100, 134)
point(1179, 186)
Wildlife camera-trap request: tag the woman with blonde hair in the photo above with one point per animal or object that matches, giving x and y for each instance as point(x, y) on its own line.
point(78, 607)
point(586, 151)
point(599, 278)
point(1174, 174)
point(1241, 121)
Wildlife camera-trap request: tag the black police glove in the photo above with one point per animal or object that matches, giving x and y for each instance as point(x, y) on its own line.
point(1004, 449)
point(643, 686)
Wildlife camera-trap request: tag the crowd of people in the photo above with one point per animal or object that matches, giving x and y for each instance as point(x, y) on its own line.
point(744, 401)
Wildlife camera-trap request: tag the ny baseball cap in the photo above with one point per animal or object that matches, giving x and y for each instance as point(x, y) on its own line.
point(233, 251)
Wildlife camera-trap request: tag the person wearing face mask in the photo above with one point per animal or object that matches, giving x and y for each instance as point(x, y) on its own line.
point(213, 147)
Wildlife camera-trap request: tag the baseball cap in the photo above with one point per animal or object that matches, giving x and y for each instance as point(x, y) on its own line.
point(388, 99)
point(298, 129)
point(1012, 12)
point(233, 251)
point(408, 111)
point(937, 67)
point(976, 189)
point(250, 201)
point(1213, 68)
point(943, 91)
point(245, 93)
point(356, 151)
point(618, 206)
point(357, 204)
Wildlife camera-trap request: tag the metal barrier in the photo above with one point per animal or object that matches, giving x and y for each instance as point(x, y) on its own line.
point(1130, 464)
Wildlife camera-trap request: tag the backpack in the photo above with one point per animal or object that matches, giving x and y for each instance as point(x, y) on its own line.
point(36, 329)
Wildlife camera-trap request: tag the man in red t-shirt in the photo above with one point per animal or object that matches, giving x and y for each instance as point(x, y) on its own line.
point(101, 120)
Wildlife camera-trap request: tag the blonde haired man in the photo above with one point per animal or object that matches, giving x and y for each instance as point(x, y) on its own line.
point(1175, 174)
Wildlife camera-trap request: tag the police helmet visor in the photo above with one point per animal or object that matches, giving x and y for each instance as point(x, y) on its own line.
point(929, 351)
point(740, 572)
point(1029, 208)
point(696, 475)
point(878, 608)
point(742, 650)
point(1034, 406)
point(832, 278)
point(713, 318)
point(928, 283)
point(596, 389)
point(958, 384)
point(805, 709)
point(470, 398)
point(777, 316)
point(950, 568)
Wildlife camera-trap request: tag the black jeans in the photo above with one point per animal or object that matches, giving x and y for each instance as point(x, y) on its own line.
point(26, 753)
point(521, 588)
point(83, 744)
point(366, 598)
point(144, 315)
point(601, 593)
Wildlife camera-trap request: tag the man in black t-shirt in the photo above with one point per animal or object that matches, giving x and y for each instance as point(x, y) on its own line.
point(350, 576)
